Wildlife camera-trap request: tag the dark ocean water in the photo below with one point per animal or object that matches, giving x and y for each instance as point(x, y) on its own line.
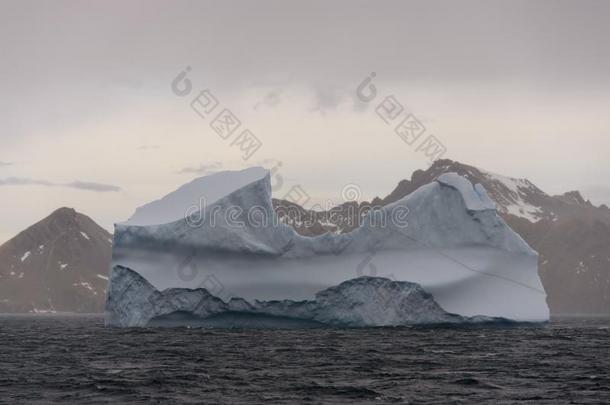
point(74, 359)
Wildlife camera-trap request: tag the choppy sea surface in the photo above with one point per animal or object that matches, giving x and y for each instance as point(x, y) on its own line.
point(74, 359)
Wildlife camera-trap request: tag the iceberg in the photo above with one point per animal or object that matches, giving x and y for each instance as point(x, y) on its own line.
point(233, 256)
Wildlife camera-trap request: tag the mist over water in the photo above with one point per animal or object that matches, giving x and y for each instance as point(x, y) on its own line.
point(74, 359)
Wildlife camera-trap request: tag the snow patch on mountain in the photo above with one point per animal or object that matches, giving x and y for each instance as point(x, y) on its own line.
point(513, 202)
point(25, 256)
point(85, 285)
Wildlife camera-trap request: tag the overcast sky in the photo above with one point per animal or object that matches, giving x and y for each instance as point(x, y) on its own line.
point(90, 121)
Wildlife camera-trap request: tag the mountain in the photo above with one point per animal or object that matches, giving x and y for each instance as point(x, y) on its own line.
point(58, 264)
point(571, 235)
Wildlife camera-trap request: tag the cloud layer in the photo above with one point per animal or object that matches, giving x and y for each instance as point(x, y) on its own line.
point(79, 185)
point(203, 169)
point(520, 88)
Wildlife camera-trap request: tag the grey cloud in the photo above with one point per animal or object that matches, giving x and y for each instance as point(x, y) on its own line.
point(80, 185)
point(271, 99)
point(327, 99)
point(350, 36)
point(202, 169)
point(555, 44)
point(19, 181)
point(86, 185)
point(359, 106)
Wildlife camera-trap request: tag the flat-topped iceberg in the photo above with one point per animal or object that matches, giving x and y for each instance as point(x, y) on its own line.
point(445, 237)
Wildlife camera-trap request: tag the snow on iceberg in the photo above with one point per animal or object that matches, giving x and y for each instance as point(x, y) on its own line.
point(454, 245)
point(207, 188)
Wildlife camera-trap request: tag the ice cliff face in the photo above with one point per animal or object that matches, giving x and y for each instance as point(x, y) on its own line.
point(359, 302)
point(132, 301)
point(448, 212)
point(451, 242)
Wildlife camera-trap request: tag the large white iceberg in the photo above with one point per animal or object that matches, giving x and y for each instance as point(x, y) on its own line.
point(452, 244)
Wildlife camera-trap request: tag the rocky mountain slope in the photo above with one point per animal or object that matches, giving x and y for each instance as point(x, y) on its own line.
point(58, 264)
point(571, 235)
